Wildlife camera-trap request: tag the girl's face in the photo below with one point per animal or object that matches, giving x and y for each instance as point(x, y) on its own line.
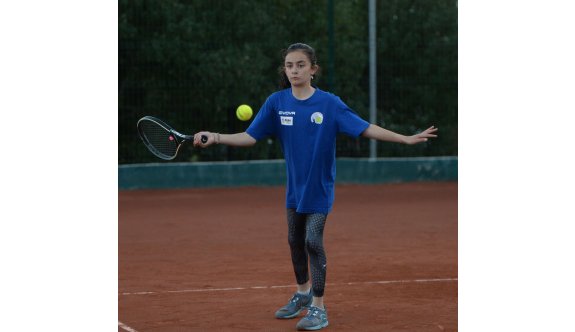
point(298, 68)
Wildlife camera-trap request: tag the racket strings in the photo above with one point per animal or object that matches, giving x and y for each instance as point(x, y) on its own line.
point(159, 138)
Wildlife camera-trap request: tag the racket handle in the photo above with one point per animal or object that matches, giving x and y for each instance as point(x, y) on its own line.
point(204, 138)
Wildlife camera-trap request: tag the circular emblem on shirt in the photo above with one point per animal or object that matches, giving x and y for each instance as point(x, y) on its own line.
point(317, 118)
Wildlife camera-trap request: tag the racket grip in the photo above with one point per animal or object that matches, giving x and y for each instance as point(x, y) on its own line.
point(204, 138)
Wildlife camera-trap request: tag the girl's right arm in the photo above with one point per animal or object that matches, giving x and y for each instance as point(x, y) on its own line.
point(239, 139)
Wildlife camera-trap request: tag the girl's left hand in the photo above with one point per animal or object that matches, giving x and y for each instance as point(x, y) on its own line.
point(421, 137)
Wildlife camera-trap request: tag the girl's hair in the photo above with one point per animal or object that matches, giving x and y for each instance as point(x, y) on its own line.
point(307, 50)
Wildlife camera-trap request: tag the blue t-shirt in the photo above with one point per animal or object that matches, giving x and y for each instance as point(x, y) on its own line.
point(307, 132)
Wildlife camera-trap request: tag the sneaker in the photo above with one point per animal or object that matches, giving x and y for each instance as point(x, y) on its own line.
point(295, 305)
point(315, 319)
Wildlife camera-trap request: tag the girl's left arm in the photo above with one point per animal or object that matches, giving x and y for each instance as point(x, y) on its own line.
point(382, 134)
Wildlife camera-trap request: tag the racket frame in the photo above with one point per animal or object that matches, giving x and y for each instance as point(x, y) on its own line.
point(178, 137)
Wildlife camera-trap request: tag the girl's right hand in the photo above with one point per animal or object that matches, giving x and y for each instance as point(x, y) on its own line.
point(198, 139)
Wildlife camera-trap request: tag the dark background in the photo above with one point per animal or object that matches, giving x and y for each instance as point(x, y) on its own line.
point(192, 63)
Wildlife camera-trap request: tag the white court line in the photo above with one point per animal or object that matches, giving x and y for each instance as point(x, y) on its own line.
point(126, 327)
point(289, 286)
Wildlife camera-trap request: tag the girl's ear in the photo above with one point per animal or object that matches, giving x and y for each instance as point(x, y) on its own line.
point(314, 69)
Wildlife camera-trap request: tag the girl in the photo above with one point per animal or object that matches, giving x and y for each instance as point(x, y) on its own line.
point(306, 121)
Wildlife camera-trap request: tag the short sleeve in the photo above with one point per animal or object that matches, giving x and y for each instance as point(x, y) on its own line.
point(263, 124)
point(349, 122)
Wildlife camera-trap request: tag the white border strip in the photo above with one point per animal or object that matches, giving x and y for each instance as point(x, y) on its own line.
point(126, 327)
point(288, 286)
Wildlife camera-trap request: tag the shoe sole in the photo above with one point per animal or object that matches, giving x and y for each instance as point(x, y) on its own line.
point(314, 328)
point(294, 315)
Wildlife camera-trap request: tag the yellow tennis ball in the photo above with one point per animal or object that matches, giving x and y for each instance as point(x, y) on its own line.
point(244, 112)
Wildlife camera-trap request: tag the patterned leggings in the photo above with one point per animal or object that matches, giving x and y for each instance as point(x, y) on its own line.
point(305, 237)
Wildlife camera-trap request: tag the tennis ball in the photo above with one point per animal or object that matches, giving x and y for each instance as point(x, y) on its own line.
point(244, 112)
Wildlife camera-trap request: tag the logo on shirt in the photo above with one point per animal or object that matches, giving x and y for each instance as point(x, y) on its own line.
point(317, 118)
point(287, 120)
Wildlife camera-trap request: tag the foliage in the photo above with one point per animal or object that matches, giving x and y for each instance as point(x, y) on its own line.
point(193, 62)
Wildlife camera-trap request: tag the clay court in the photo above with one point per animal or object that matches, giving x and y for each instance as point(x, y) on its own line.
point(218, 259)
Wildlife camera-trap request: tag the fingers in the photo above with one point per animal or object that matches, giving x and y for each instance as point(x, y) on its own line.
point(428, 133)
point(431, 129)
point(425, 135)
point(198, 139)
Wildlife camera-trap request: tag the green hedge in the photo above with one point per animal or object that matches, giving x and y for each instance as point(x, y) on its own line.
point(192, 63)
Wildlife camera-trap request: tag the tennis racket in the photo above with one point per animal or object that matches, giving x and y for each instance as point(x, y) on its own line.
point(161, 139)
